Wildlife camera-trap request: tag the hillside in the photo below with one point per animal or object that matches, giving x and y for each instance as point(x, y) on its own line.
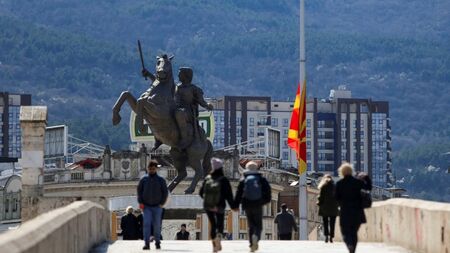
point(76, 56)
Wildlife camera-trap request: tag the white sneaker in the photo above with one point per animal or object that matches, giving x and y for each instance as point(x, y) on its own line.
point(254, 246)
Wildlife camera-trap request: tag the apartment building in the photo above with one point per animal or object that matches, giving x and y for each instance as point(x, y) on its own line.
point(339, 128)
point(10, 133)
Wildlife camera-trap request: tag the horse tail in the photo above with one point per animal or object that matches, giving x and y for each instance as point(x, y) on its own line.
point(207, 158)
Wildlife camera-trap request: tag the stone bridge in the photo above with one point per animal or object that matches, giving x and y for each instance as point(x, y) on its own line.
point(395, 225)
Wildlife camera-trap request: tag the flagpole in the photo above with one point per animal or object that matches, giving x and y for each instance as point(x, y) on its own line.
point(302, 192)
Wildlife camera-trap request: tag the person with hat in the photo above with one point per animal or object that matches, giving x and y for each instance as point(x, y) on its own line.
point(216, 189)
point(286, 222)
point(253, 192)
point(152, 195)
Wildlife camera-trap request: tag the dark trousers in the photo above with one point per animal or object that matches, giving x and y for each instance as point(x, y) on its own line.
point(254, 222)
point(328, 225)
point(216, 220)
point(350, 235)
point(285, 237)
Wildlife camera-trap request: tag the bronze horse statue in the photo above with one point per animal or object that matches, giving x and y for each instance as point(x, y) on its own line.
point(157, 107)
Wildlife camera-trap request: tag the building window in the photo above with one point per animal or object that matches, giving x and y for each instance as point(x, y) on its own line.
point(274, 122)
point(321, 123)
point(252, 122)
point(308, 134)
point(321, 145)
point(285, 122)
point(285, 132)
point(252, 132)
point(321, 167)
point(285, 155)
point(308, 123)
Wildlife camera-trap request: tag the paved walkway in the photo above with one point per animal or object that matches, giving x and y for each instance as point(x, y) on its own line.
point(242, 246)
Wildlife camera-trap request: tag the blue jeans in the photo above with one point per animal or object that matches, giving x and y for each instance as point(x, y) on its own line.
point(152, 218)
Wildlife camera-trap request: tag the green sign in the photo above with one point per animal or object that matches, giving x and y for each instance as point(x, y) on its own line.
point(205, 119)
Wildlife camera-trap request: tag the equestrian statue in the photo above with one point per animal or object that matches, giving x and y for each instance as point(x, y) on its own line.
point(171, 112)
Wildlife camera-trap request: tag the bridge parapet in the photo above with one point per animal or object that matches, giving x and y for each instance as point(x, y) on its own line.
point(420, 226)
point(74, 228)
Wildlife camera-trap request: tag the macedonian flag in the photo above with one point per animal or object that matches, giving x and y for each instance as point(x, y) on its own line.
point(297, 129)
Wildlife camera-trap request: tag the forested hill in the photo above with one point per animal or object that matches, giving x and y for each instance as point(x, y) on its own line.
point(76, 56)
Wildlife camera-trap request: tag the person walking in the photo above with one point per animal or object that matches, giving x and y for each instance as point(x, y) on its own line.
point(253, 192)
point(129, 225)
point(348, 196)
point(183, 234)
point(152, 195)
point(216, 189)
point(328, 206)
point(140, 219)
point(285, 223)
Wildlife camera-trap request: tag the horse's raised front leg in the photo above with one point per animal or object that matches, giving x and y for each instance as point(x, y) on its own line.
point(124, 96)
point(179, 161)
point(197, 166)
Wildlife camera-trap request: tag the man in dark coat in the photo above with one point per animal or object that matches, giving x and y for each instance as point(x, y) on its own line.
point(348, 195)
point(183, 234)
point(252, 206)
point(328, 206)
point(286, 222)
point(129, 225)
point(152, 194)
point(216, 213)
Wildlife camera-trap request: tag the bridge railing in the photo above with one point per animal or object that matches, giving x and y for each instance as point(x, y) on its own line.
point(74, 228)
point(420, 226)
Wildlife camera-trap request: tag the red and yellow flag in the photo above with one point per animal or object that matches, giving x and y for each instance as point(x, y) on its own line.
point(297, 129)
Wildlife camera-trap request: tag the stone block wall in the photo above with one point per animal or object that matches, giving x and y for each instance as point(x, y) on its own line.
point(420, 226)
point(73, 228)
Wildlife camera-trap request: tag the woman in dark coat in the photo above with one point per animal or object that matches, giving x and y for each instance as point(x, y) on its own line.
point(348, 195)
point(130, 225)
point(328, 206)
point(216, 214)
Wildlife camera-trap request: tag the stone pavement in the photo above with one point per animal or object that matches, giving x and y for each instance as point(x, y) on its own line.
point(242, 246)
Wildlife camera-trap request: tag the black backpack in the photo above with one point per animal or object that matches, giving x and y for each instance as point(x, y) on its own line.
point(252, 188)
point(211, 193)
